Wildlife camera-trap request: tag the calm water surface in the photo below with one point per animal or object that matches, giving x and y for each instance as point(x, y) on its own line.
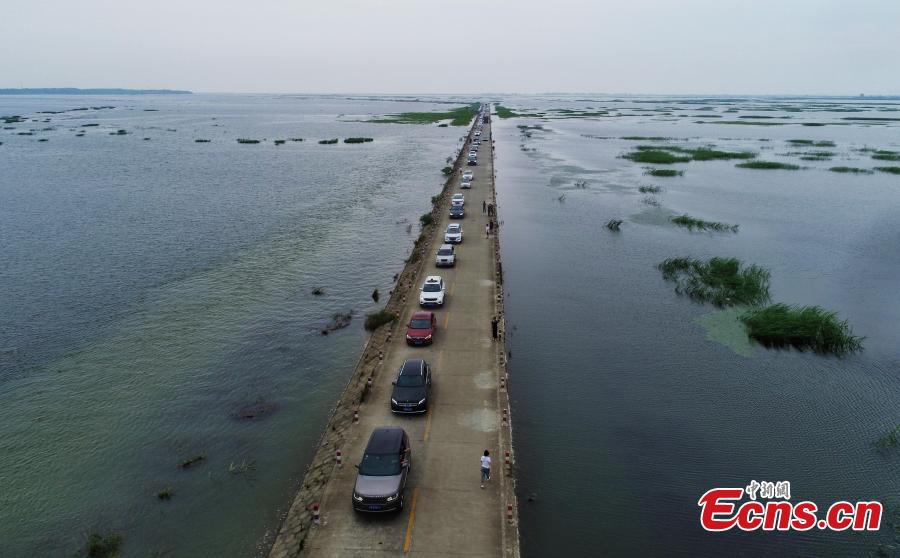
point(630, 401)
point(151, 288)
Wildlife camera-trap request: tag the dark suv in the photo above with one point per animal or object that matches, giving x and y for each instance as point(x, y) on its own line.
point(383, 471)
point(410, 394)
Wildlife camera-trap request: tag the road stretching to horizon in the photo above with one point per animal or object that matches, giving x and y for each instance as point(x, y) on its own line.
point(446, 512)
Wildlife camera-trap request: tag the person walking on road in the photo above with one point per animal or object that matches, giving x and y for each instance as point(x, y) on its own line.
point(485, 467)
point(487, 230)
point(483, 206)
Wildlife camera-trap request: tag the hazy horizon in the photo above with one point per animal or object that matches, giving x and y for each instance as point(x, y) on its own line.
point(390, 47)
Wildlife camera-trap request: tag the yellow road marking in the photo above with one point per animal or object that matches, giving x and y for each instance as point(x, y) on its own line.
point(446, 319)
point(412, 519)
point(427, 425)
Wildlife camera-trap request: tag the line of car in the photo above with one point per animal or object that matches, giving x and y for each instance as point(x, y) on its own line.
point(387, 459)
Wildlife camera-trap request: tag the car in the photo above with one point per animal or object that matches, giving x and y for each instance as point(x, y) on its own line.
point(472, 161)
point(465, 185)
point(477, 133)
point(453, 234)
point(432, 293)
point(468, 176)
point(382, 472)
point(457, 212)
point(458, 199)
point(446, 256)
point(420, 330)
point(411, 388)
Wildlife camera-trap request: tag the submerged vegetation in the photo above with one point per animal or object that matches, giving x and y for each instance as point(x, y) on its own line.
point(614, 224)
point(667, 154)
point(692, 223)
point(247, 140)
point(801, 327)
point(852, 170)
point(890, 170)
point(664, 172)
point(722, 281)
point(649, 189)
point(378, 319)
point(884, 155)
point(328, 141)
point(811, 143)
point(889, 440)
point(655, 156)
point(767, 165)
point(358, 140)
point(105, 545)
point(458, 117)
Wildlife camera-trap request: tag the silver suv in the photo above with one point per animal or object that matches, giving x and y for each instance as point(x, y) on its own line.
point(383, 471)
point(446, 256)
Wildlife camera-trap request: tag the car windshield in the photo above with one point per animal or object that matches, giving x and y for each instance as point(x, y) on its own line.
point(456, 209)
point(414, 380)
point(452, 230)
point(445, 252)
point(420, 324)
point(432, 288)
point(380, 464)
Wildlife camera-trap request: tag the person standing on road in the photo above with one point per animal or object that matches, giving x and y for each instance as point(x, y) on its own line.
point(485, 467)
point(483, 206)
point(494, 322)
point(487, 230)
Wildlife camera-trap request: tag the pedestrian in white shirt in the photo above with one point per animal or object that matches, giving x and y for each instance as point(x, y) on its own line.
point(485, 467)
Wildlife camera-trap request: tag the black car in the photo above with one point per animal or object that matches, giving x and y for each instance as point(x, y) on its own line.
point(457, 212)
point(383, 471)
point(410, 394)
point(473, 162)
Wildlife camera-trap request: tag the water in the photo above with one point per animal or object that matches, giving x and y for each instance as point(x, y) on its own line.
point(630, 401)
point(152, 288)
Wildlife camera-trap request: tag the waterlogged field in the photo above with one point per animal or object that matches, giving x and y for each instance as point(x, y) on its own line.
point(644, 240)
point(169, 266)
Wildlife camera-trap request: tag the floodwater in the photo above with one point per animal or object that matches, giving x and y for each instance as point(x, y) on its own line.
point(630, 401)
point(153, 289)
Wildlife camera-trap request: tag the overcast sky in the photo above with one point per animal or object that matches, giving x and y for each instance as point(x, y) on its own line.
point(459, 46)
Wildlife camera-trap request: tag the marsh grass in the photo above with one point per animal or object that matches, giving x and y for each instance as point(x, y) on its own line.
point(697, 154)
point(645, 138)
point(655, 156)
point(746, 122)
point(166, 493)
point(202, 141)
point(722, 281)
point(801, 327)
point(614, 225)
point(378, 319)
point(884, 155)
point(851, 170)
point(811, 143)
point(280, 142)
point(692, 223)
point(664, 172)
point(447, 171)
point(889, 170)
point(504, 112)
point(328, 141)
point(104, 545)
point(193, 460)
point(767, 165)
point(358, 140)
point(889, 440)
point(649, 189)
point(458, 117)
point(247, 140)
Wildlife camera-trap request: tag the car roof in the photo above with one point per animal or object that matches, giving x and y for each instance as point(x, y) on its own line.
point(453, 226)
point(421, 316)
point(412, 367)
point(385, 440)
point(433, 279)
point(458, 196)
point(446, 247)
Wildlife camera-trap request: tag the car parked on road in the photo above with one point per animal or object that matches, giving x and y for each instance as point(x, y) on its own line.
point(465, 185)
point(432, 293)
point(382, 472)
point(420, 330)
point(446, 256)
point(458, 199)
point(453, 234)
point(412, 387)
point(468, 176)
point(457, 212)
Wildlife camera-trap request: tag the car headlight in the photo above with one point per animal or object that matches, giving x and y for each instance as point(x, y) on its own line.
point(357, 498)
point(408, 336)
point(422, 402)
point(427, 337)
point(394, 401)
point(393, 497)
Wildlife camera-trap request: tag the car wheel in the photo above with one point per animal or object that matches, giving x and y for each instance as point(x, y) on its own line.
point(400, 506)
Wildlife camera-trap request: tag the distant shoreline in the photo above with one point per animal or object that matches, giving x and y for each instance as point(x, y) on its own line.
point(77, 91)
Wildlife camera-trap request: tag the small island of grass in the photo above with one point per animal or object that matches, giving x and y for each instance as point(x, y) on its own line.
point(358, 140)
point(722, 281)
point(767, 165)
point(889, 170)
point(664, 172)
point(801, 327)
point(655, 156)
point(692, 223)
point(851, 170)
point(247, 141)
point(458, 117)
point(328, 141)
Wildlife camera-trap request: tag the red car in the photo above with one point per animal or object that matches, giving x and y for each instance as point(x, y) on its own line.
point(420, 329)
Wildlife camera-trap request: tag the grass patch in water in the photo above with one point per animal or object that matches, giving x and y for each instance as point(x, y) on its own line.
point(722, 281)
point(649, 189)
point(358, 140)
point(614, 225)
point(890, 170)
point(280, 142)
point(884, 155)
point(705, 154)
point(202, 141)
point(328, 141)
point(889, 440)
point(106, 545)
point(458, 117)
point(745, 123)
point(645, 138)
point(247, 140)
point(655, 156)
point(767, 165)
point(801, 327)
point(692, 223)
point(378, 319)
point(811, 143)
point(664, 172)
point(504, 112)
point(851, 170)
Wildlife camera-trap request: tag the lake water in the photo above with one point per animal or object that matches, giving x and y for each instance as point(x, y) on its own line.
point(153, 288)
point(629, 401)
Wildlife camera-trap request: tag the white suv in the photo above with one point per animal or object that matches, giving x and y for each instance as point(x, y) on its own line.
point(453, 234)
point(468, 176)
point(432, 293)
point(446, 256)
point(457, 200)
